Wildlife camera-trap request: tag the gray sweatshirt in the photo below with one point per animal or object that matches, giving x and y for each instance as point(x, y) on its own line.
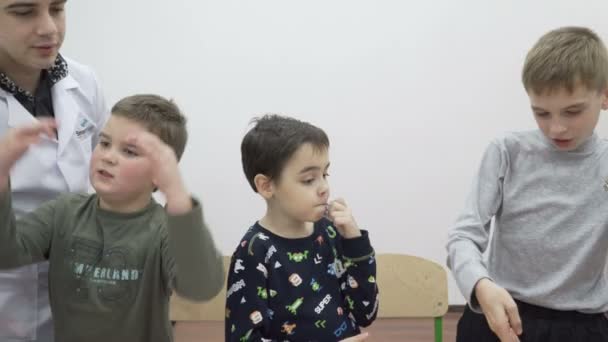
point(550, 242)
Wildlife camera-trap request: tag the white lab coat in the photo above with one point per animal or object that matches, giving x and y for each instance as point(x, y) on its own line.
point(48, 169)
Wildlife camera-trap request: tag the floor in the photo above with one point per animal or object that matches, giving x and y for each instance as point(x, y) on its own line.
point(383, 330)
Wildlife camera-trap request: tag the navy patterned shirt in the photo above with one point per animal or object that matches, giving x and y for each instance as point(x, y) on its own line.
point(318, 288)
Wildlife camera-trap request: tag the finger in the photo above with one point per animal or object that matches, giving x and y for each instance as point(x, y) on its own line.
point(497, 320)
point(337, 204)
point(514, 318)
point(29, 130)
point(31, 140)
point(152, 146)
point(336, 208)
point(136, 140)
point(514, 336)
point(334, 214)
point(339, 223)
point(49, 127)
point(48, 122)
point(362, 337)
point(341, 201)
point(26, 139)
point(48, 131)
point(503, 331)
point(339, 218)
point(145, 143)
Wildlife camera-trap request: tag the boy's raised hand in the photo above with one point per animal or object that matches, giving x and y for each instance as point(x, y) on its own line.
point(16, 142)
point(340, 214)
point(499, 309)
point(165, 171)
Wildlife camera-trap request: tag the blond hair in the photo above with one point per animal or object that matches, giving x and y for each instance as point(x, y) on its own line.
point(564, 58)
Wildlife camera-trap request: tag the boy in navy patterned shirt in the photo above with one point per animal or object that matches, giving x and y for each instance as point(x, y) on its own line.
point(304, 271)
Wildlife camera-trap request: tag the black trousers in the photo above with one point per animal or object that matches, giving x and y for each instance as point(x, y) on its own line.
point(539, 325)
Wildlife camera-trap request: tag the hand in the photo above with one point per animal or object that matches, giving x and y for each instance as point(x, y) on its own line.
point(165, 171)
point(339, 213)
point(16, 142)
point(360, 337)
point(500, 310)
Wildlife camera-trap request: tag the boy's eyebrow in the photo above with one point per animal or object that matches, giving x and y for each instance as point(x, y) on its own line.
point(29, 4)
point(575, 105)
point(313, 168)
point(20, 5)
point(536, 109)
point(105, 136)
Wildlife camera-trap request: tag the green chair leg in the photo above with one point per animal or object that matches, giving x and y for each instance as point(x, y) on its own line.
point(438, 329)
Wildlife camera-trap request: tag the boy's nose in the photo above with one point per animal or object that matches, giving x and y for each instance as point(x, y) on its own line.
point(324, 188)
point(46, 25)
point(109, 157)
point(557, 128)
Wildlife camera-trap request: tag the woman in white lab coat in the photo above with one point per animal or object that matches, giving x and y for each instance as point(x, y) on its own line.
point(35, 81)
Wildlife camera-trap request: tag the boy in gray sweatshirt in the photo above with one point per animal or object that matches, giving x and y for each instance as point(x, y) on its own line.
point(546, 274)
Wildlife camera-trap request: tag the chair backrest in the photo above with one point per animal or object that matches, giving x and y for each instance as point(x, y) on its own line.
point(409, 287)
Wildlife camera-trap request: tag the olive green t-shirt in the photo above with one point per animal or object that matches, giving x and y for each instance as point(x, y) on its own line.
point(111, 274)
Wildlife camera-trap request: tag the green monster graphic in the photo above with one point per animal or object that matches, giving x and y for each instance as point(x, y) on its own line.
point(293, 308)
point(298, 257)
point(348, 263)
point(262, 293)
point(247, 336)
point(331, 232)
point(351, 303)
point(273, 293)
point(315, 285)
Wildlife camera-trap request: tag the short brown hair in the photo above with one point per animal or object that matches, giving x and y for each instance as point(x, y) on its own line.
point(159, 115)
point(565, 57)
point(272, 141)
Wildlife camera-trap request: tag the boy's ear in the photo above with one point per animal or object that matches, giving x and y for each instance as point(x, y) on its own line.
point(263, 185)
point(605, 99)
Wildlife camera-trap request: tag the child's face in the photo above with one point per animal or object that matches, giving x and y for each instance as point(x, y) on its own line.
point(302, 190)
point(568, 118)
point(31, 33)
point(118, 173)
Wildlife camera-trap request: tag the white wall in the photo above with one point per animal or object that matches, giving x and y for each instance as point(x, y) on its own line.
point(409, 92)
